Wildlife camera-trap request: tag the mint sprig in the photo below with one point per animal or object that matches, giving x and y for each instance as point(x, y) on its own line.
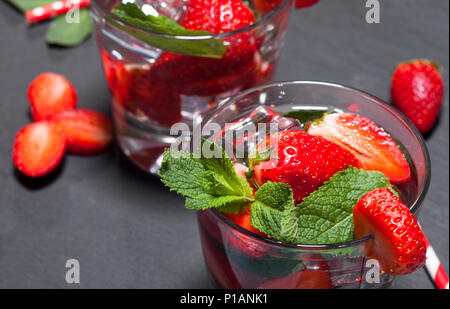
point(272, 200)
point(133, 15)
point(324, 217)
point(206, 183)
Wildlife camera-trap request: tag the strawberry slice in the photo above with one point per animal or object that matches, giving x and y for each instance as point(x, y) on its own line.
point(38, 148)
point(306, 279)
point(302, 161)
point(373, 147)
point(50, 93)
point(87, 131)
point(398, 242)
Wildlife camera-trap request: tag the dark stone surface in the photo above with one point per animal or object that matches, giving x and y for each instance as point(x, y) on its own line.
point(125, 228)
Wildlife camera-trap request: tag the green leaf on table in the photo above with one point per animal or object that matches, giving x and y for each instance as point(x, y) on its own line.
point(62, 33)
point(25, 5)
point(326, 215)
point(206, 182)
point(131, 14)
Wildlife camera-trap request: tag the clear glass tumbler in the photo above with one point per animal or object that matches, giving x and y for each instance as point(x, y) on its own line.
point(150, 95)
point(238, 258)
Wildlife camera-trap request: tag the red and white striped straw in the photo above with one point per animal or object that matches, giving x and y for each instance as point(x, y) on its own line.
point(55, 8)
point(434, 267)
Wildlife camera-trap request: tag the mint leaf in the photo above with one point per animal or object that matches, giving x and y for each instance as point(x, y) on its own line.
point(326, 215)
point(182, 173)
point(305, 116)
point(25, 5)
point(62, 33)
point(205, 201)
point(206, 183)
point(227, 181)
point(271, 200)
point(133, 15)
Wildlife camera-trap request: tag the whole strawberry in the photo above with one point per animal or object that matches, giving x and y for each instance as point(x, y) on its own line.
point(417, 91)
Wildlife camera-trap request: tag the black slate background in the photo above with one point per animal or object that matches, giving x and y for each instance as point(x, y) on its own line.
point(123, 226)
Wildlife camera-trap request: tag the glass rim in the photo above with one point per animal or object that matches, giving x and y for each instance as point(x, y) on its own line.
point(415, 205)
point(261, 21)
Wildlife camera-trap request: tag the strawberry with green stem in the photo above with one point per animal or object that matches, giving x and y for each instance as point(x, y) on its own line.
point(417, 90)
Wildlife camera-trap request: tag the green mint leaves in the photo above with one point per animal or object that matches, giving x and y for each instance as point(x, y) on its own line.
point(305, 116)
point(206, 182)
point(62, 33)
point(131, 14)
point(272, 201)
point(324, 217)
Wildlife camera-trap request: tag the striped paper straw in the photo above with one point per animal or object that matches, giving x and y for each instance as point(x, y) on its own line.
point(434, 267)
point(55, 8)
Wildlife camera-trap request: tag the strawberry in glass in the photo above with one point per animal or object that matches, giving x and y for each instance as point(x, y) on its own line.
point(171, 61)
point(337, 190)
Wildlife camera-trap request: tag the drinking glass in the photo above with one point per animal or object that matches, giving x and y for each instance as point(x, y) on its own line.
point(152, 89)
point(238, 258)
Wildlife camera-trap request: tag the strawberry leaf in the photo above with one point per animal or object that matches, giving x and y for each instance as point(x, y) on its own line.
point(66, 34)
point(131, 14)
